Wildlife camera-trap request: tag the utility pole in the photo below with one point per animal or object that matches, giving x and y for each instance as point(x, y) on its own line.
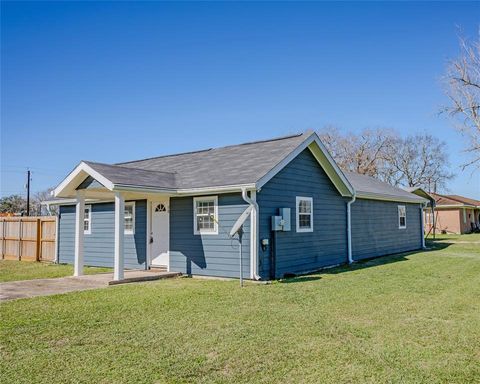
point(28, 192)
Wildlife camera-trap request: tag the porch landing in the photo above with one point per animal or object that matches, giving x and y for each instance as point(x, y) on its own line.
point(45, 287)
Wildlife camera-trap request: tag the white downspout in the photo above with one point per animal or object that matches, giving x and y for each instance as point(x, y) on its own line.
point(254, 230)
point(349, 228)
point(422, 217)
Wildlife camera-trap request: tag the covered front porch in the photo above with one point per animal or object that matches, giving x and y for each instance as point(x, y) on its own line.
point(111, 223)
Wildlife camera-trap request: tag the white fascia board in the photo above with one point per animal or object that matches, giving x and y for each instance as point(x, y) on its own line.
point(134, 188)
point(334, 164)
point(309, 140)
point(185, 191)
point(80, 172)
point(219, 189)
point(73, 201)
point(400, 199)
point(437, 207)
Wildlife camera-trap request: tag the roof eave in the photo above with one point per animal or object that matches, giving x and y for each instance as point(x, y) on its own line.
point(383, 197)
point(455, 206)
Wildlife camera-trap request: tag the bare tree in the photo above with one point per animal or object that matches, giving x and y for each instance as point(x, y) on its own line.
point(39, 198)
point(365, 153)
point(463, 89)
point(419, 161)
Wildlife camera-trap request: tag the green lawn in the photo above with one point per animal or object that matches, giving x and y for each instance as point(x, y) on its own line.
point(11, 270)
point(466, 237)
point(404, 319)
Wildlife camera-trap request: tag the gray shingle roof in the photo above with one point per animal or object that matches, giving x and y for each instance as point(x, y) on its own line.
point(138, 177)
point(232, 165)
point(366, 185)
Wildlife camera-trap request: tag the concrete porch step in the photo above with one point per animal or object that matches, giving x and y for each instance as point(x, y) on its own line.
point(136, 276)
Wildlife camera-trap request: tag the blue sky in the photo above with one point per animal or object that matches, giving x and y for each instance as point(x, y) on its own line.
point(116, 81)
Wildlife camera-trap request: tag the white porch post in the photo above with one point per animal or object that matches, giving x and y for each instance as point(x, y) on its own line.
point(79, 219)
point(119, 234)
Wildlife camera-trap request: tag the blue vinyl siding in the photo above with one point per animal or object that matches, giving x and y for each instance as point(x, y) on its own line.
point(99, 245)
point(375, 229)
point(307, 251)
point(208, 255)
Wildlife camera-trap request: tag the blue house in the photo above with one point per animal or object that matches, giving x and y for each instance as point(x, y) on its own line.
point(176, 212)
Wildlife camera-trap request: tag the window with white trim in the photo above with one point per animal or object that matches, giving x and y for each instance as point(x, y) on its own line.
point(129, 218)
point(205, 215)
point(87, 220)
point(464, 216)
point(402, 217)
point(304, 208)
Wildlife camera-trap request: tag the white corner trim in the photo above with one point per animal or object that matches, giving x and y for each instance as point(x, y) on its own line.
point(298, 199)
point(119, 256)
point(57, 230)
point(215, 215)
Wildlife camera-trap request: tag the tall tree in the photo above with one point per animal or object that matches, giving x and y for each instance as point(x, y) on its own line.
point(463, 89)
point(17, 205)
point(14, 204)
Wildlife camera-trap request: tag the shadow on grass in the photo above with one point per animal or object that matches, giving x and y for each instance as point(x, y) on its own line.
point(364, 263)
point(299, 279)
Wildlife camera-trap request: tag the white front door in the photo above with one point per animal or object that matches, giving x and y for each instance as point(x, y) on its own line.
point(160, 232)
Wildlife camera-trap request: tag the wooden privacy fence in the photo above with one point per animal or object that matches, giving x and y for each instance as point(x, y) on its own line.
point(28, 238)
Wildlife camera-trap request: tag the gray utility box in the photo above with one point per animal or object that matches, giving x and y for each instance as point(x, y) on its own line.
point(282, 222)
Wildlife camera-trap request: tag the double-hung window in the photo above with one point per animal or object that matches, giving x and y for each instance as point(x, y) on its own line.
point(87, 220)
point(402, 217)
point(304, 208)
point(205, 215)
point(129, 218)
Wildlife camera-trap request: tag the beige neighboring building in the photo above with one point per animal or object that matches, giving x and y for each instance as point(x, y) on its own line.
point(453, 214)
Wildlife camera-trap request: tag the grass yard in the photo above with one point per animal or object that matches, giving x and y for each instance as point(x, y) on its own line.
point(470, 237)
point(11, 270)
point(403, 319)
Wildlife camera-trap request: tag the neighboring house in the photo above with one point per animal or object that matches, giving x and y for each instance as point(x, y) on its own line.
point(453, 214)
point(177, 211)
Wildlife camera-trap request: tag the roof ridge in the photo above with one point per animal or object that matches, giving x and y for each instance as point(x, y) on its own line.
point(216, 148)
point(455, 197)
point(129, 168)
point(460, 197)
